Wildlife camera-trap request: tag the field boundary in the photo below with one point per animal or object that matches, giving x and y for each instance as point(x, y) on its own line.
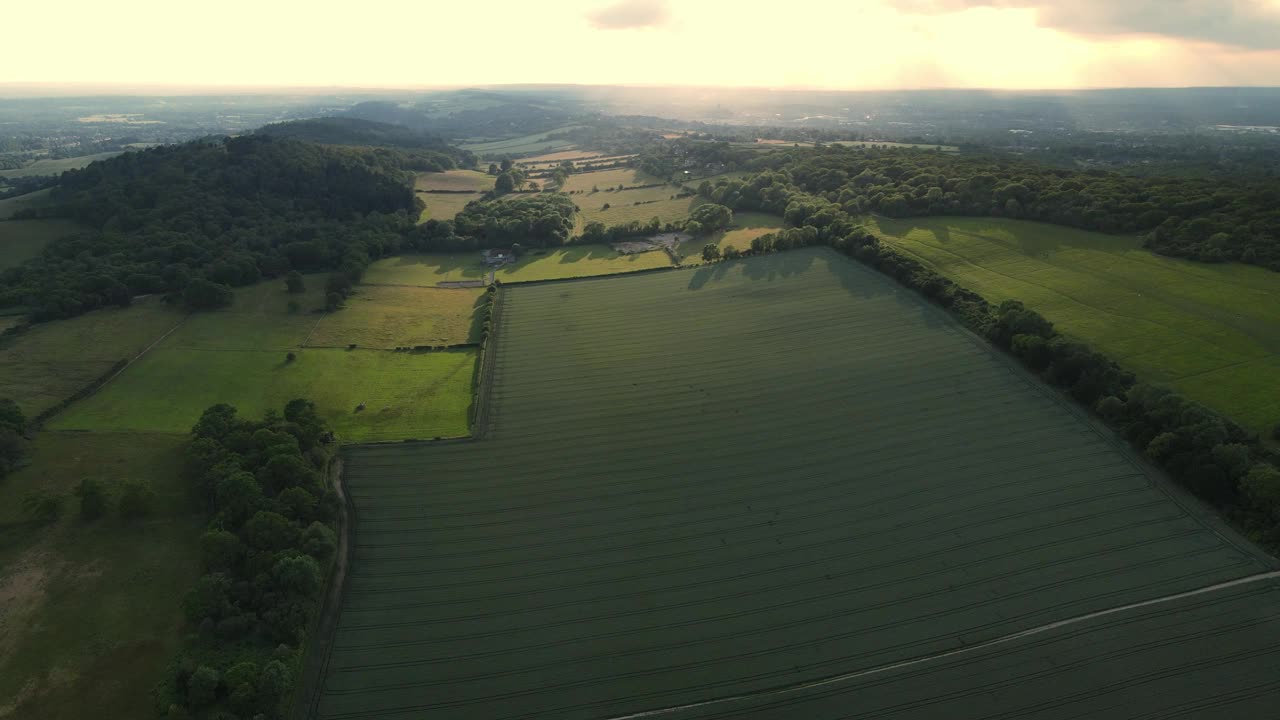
point(486, 363)
point(551, 281)
point(315, 661)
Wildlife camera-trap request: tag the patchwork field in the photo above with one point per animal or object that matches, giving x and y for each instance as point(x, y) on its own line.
point(523, 145)
point(429, 269)
point(583, 182)
point(21, 240)
point(52, 361)
point(666, 512)
point(1210, 331)
point(91, 613)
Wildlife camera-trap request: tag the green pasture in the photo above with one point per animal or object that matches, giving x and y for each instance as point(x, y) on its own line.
point(21, 240)
point(470, 180)
point(91, 612)
point(654, 202)
point(406, 395)
point(388, 317)
point(523, 145)
point(1210, 331)
point(52, 361)
point(428, 269)
point(715, 481)
point(606, 179)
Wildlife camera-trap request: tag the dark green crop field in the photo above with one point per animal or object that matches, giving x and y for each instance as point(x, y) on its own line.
point(706, 483)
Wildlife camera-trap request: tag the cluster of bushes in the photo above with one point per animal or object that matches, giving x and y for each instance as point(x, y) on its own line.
point(268, 542)
point(197, 219)
point(1202, 219)
point(542, 220)
point(1211, 456)
point(598, 232)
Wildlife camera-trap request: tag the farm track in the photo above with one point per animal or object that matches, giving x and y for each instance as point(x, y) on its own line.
point(712, 484)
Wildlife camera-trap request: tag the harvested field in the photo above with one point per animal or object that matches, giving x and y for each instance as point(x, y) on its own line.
point(709, 483)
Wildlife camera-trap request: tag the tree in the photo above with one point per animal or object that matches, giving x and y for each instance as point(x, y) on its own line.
point(11, 416)
point(504, 184)
point(710, 252)
point(93, 499)
point(290, 356)
point(200, 294)
point(202, 687)
point(44, 506)
point(137, 500)
point(712, 217)
point(294, 283)
point(333, 301)
point(221, 550)
point(294, 307)
point(269, 531)
point(319, 541)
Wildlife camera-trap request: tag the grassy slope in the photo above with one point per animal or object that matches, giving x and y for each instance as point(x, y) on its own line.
point(444, 206)
point(91, 614)
point(23, 239)
point(382, 316)
point(56, 167)
point(1211, 331)
point(572, 261)
point(651, 437)
point(525, 144)
point(52, 361)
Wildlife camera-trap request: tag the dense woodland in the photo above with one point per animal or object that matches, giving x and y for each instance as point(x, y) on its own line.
point(414, 150)
point(228, 212)
point(269, 541)
point(541, 220)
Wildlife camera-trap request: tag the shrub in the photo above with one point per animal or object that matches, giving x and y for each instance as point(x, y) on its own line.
point(93, 499)
point(137, 500)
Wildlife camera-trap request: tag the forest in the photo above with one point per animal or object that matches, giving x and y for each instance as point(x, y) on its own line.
point(225, 211)
point(414, 150)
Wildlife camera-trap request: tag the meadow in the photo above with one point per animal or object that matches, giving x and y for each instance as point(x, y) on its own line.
point(52, 361)
point(627, 177)
point(429, 269)
point(444, 206)
point(1210, 331)
point(406, 395)
point(655, 202)
point(90, 612)
point(665, 511)
point(388, 317)
point(21, 240)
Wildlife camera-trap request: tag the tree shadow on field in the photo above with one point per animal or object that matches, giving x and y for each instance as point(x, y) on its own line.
point(707, 273)
point(781, 265)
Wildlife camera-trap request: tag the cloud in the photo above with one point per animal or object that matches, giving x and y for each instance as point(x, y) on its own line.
point(630, 15)
point(1253, 24)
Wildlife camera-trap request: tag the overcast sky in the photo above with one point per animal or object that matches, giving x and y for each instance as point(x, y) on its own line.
point(853, 44)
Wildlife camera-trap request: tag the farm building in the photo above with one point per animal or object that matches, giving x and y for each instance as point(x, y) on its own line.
point(497, 257)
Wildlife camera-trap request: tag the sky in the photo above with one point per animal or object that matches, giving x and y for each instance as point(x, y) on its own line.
point(828, 44)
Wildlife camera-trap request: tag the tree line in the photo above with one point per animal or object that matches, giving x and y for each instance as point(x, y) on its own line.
point(269, 541)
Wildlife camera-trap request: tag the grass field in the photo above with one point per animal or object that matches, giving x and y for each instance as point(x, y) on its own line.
point(716, 481)
point(408, 395)
point(524, 145)
point(50, 362)
point(56, 167)
point(382, 316)
point(444, 206)
point(426, 270)
point(1210, 331)
point(90, 614)
point(9, 206)
point(615, 177)
point(472, 180)
point(623, 208)
point(747, 226)
point(22, 240)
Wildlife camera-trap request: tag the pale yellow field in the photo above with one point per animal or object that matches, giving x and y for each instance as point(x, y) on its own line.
point(444, 206)
point(471, 180)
